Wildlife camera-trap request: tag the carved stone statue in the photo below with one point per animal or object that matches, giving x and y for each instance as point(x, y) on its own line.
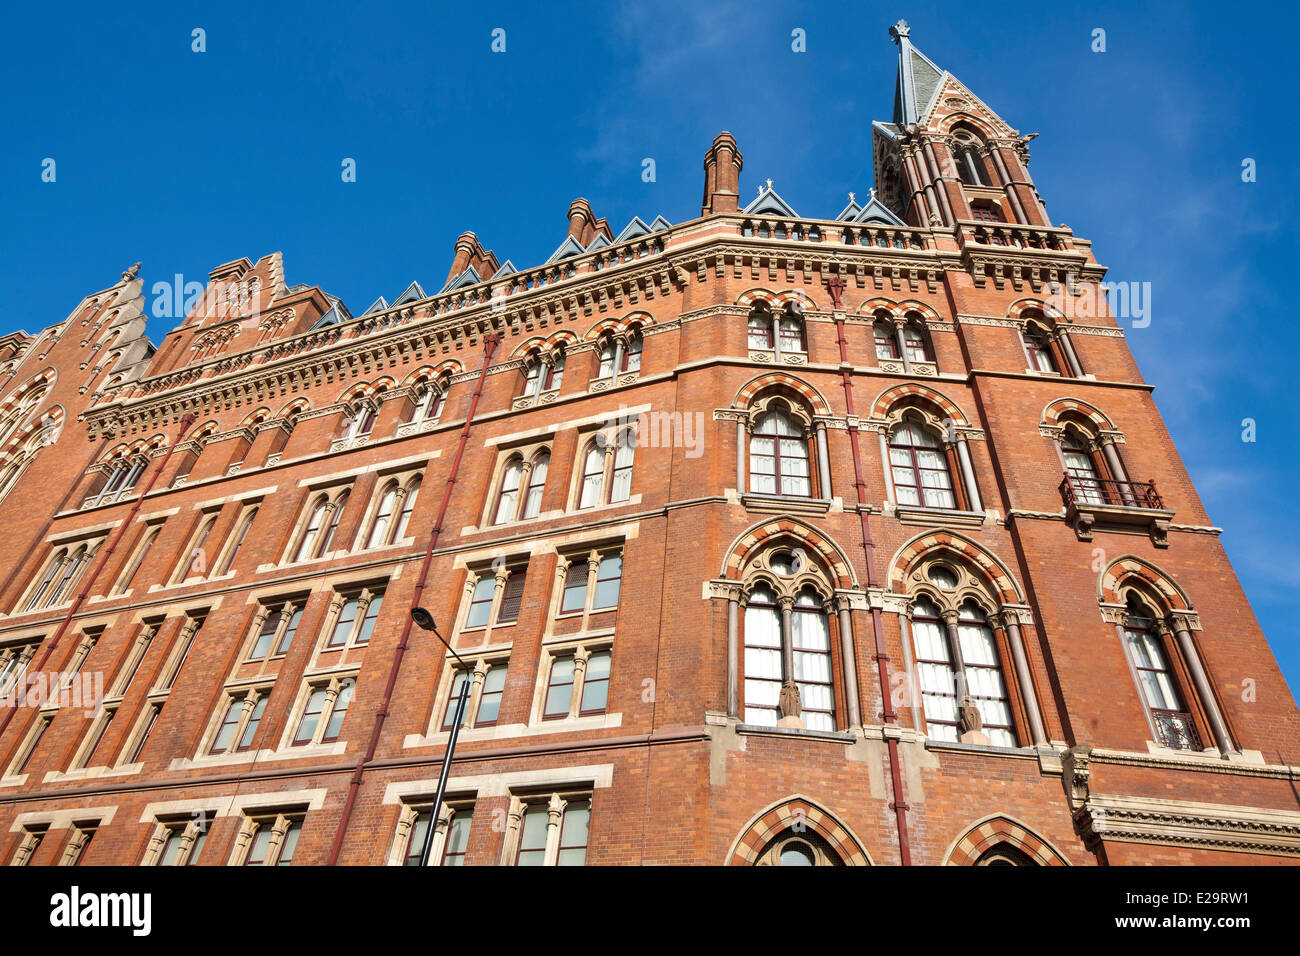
point(790, 707)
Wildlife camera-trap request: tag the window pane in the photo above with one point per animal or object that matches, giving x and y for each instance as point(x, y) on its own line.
point(608, 577)
point(419, 835)
point(480, 605)
point(343, 627)
point(453, 698)
point(368, 622)
point(311, 717)
point(489, 701)
point(595, 684)
point(290, 844)
point(559, 692)
point(453, 853)
point(573, 835)
point(532, 836)
point(250, 729)
point(575, 587)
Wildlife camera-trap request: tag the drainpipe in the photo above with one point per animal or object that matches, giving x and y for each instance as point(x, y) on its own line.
point(899, 806)
point(105, 557)
point(490, 342)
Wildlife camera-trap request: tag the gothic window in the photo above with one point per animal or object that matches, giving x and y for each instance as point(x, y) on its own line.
point(778, 454)
point(761, 334)
point(885, 336)
point(428, 404)
point(392, 511)
point(237, 543)
point(790, 332)
point(543, 373)
point(1038, 350)
point(920, 467)
point(320, 525)
point(359, 421)
point(798, 847)
point(787, 664)
point(959, 657)
point(606, 474)
point(1085, 480)
point(916, 342)
point(620, 354)
point(1145, 637)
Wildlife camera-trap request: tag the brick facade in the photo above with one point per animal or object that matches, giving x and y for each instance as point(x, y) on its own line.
point(177, 517)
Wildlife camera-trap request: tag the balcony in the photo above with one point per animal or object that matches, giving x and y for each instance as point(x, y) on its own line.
point(1176, 730)
point(1114, 505)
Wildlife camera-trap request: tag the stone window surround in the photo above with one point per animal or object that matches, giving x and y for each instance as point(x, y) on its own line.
point(1004, 620)
point(332, 682)
point(958, 445)
point(287, 606)
point(251, 692)
point(787, 587)
point(502, 568)
point(527, 454)
point(402, 480)
point(483, 661)
point(330, 493)
point(904, 364)
point(184, 572)
point(190, 827)
point(561, 648)
point(279, 822)
point(453, 805)
point(610, 435)
point(593, 555)
point(1175, 629)
point(556, 802)
point(813, 427)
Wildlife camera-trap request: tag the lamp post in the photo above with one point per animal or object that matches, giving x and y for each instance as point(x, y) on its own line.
point(424, 620)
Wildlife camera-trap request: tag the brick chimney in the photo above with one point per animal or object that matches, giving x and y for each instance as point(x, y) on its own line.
point(466, 246)
point(582, 221)
point(722, 165)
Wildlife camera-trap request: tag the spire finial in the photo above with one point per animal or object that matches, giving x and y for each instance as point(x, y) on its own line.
point(852, 198)
point(900, 31)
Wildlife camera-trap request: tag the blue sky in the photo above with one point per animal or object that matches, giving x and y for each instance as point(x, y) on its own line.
point(185, 160)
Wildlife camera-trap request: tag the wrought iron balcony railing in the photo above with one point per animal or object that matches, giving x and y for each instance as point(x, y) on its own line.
point(1176, 729)
point(1085, 490)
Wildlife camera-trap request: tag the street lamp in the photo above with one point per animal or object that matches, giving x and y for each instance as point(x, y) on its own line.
point(424, 620)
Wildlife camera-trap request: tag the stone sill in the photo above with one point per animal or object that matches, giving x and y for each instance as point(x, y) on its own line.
point(830, 736)
point(1024, 753)
point(942, 517)
point(782, 504)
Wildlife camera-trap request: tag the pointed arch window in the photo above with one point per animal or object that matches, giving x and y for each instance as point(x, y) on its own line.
point(790, 333)
point(763, 649)
point(379, 526)
point(508, 496)
point(1085, 479)
point(1173, 722)
point(920, 467)
point(536, 484)
point(618, 355)
point(886, 338)
point(321, 525)
point(606, 476)
point(761, 332)
point(315, 519)
point(957, 660)
point(428, 404)
point(593, 475)
point(229, 560)
point(408, 507)
point(778, 455)
point(360, 421)
point(916, 342)
point(1038, 350)
point(810, 640)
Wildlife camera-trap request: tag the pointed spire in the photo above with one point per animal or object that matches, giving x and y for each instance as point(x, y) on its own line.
point(918, 78)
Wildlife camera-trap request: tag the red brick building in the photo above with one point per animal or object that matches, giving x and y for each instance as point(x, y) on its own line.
point(763, 538)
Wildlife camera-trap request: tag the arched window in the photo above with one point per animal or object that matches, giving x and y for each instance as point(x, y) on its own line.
point(71, 573)
point(919, 466)
point(1038, 350)
point(763, 650)
point(791, 333)
point(508, 496)
point(1173, 722)
point(359, 421)
point(620, 486)
point(1085, 481)
point(810, 640)
point(428, 405)
point(536, 484)
point(958, 666)
point(632, 356)
point(761, 331)
point(52, 571)
point(554, 375)
point(408, 507)
point(916, 342)
point(379, 526)
point(970, 165)
point(778, 455)
point(787, 664)
point(229, 560)
point(307, 546)
point(886, 337)
point(620, 354)
point(593, 475)
point(337, 507)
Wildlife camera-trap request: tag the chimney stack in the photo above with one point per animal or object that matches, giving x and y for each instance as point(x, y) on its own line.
point(722, 165)
point(466, 246)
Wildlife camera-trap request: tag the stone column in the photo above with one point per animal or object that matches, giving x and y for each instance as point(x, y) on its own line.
point(1117, 469)
point(733, 653)
point(742, 452)
point(554, 819)
point(1203, 689)
point(1023, 677)
point(901, 339)
point(849, 662)
point(889, 469)
point(1071, 358)
point(823, 461)
point(968, 475)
